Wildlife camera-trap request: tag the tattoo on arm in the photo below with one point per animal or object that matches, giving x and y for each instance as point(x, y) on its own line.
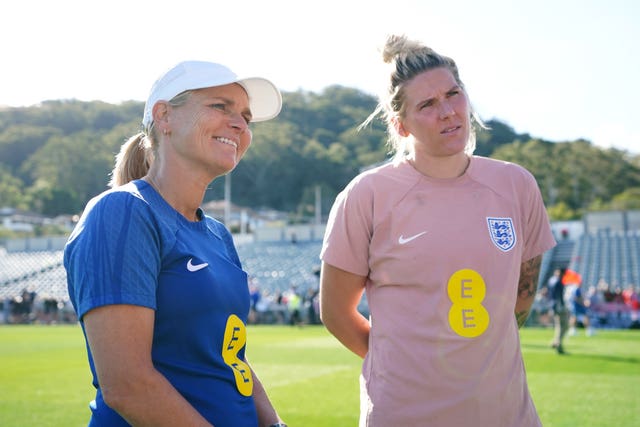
point(522, 317)
point(527, 285)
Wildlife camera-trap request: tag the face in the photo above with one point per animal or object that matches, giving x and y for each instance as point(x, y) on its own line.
point(211, 130)
point(436, 114)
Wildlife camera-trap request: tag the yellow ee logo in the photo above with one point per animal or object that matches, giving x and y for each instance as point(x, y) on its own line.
point(235, 337)
point(467, 316)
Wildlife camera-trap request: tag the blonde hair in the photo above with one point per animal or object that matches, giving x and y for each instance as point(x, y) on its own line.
point(137, 153)
point(408, 58)
point(133, 160)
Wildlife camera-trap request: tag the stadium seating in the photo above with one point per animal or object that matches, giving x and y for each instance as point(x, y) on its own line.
point(613, 257)
point(40, 271)
point(276, 266)
point(610, 256)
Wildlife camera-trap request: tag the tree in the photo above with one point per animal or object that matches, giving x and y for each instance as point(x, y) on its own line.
point(629, 199)
point(11, 190)
point(18, 142)
point(56, 156)
point(561, 212)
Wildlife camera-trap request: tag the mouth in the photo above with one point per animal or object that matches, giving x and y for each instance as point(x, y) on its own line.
point(450, 129)
point(227, 141)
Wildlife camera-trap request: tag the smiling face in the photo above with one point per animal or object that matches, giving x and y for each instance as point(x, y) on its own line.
point(211, 130)
point(436, 113)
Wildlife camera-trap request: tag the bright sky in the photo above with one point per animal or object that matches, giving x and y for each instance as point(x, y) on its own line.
point(557, 69)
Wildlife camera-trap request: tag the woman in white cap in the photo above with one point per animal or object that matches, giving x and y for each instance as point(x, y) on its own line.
point(447, 246)
point(157, 285)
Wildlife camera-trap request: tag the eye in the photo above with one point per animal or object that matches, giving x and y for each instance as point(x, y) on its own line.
point(453, 92)
point(428, 103)
point(220, 106)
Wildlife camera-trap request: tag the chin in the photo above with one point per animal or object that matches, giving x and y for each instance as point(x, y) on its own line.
point(221, 169)
point(456, 148)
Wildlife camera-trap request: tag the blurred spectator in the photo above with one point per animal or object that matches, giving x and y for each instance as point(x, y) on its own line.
point(294, 303)
point(560, 314)
point(6, 310)
point(21, 307)
point(310, 302)
point(630, 298)
point(255, 296)
point(51, 309)
point(578, 309)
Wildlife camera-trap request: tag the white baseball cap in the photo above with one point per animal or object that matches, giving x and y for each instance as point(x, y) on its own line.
point(265, 100)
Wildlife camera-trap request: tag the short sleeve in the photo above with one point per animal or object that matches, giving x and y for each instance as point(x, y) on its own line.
point(349, 230)
point(538, 235)
point(113, 255)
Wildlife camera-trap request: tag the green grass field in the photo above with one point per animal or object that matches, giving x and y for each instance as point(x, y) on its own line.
point(313, 381)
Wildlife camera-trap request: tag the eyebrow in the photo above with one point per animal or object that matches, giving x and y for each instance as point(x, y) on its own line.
point(451, 89)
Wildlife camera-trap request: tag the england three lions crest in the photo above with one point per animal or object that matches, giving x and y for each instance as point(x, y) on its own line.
point(502, 233)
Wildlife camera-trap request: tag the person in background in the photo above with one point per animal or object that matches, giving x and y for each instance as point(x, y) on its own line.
point(447, 247)
point(578, 308)
point(294, 306)
point(555, 290)
point(255, 295)
point(159, 290)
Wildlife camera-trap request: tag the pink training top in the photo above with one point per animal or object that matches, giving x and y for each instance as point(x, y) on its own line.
point(442, 259)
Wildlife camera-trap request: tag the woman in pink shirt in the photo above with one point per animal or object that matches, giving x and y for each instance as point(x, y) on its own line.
point(447, 247)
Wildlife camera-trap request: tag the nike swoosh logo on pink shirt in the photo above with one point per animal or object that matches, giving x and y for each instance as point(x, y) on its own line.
point(402, 240)
point(196, 267)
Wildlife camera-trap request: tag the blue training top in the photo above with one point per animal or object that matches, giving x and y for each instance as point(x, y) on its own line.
point(132, 247)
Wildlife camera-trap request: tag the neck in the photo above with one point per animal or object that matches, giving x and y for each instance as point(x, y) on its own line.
point(441, 167)
point(177, 198)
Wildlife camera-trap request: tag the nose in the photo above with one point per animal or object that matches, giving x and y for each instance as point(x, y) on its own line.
point(446, 110)
point(238, 122)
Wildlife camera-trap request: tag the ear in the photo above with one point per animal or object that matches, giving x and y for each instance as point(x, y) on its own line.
point(160, 112)
point(399, 127)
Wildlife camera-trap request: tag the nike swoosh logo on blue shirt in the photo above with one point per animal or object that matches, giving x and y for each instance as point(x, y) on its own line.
point(196, 267)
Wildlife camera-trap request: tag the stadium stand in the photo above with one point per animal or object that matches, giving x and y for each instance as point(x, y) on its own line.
point(608, 263)
point(604, 251)
point(610, 256)
point(30, 282)
point(276, 266)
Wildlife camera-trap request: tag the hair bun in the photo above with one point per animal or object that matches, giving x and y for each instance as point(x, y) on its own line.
point(393, 46)
point(397, 45)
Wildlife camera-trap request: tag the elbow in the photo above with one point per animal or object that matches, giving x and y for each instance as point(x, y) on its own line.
point(328, 320)
point(325, 320)
point(333, 320)
point(121, 394)
point(115, 398)
point(323, 315)
point(326, 315)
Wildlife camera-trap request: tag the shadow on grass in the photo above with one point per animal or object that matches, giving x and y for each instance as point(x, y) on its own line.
point(579, 354)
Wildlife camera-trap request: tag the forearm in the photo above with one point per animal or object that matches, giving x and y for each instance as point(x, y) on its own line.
point(153, 401)
point(340, 294)
point(267, 414)
point(120, 337)
point(527, 285)
point(351, 330)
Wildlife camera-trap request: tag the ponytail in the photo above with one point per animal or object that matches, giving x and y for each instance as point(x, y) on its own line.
point(136, 154)
point(133, 160)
